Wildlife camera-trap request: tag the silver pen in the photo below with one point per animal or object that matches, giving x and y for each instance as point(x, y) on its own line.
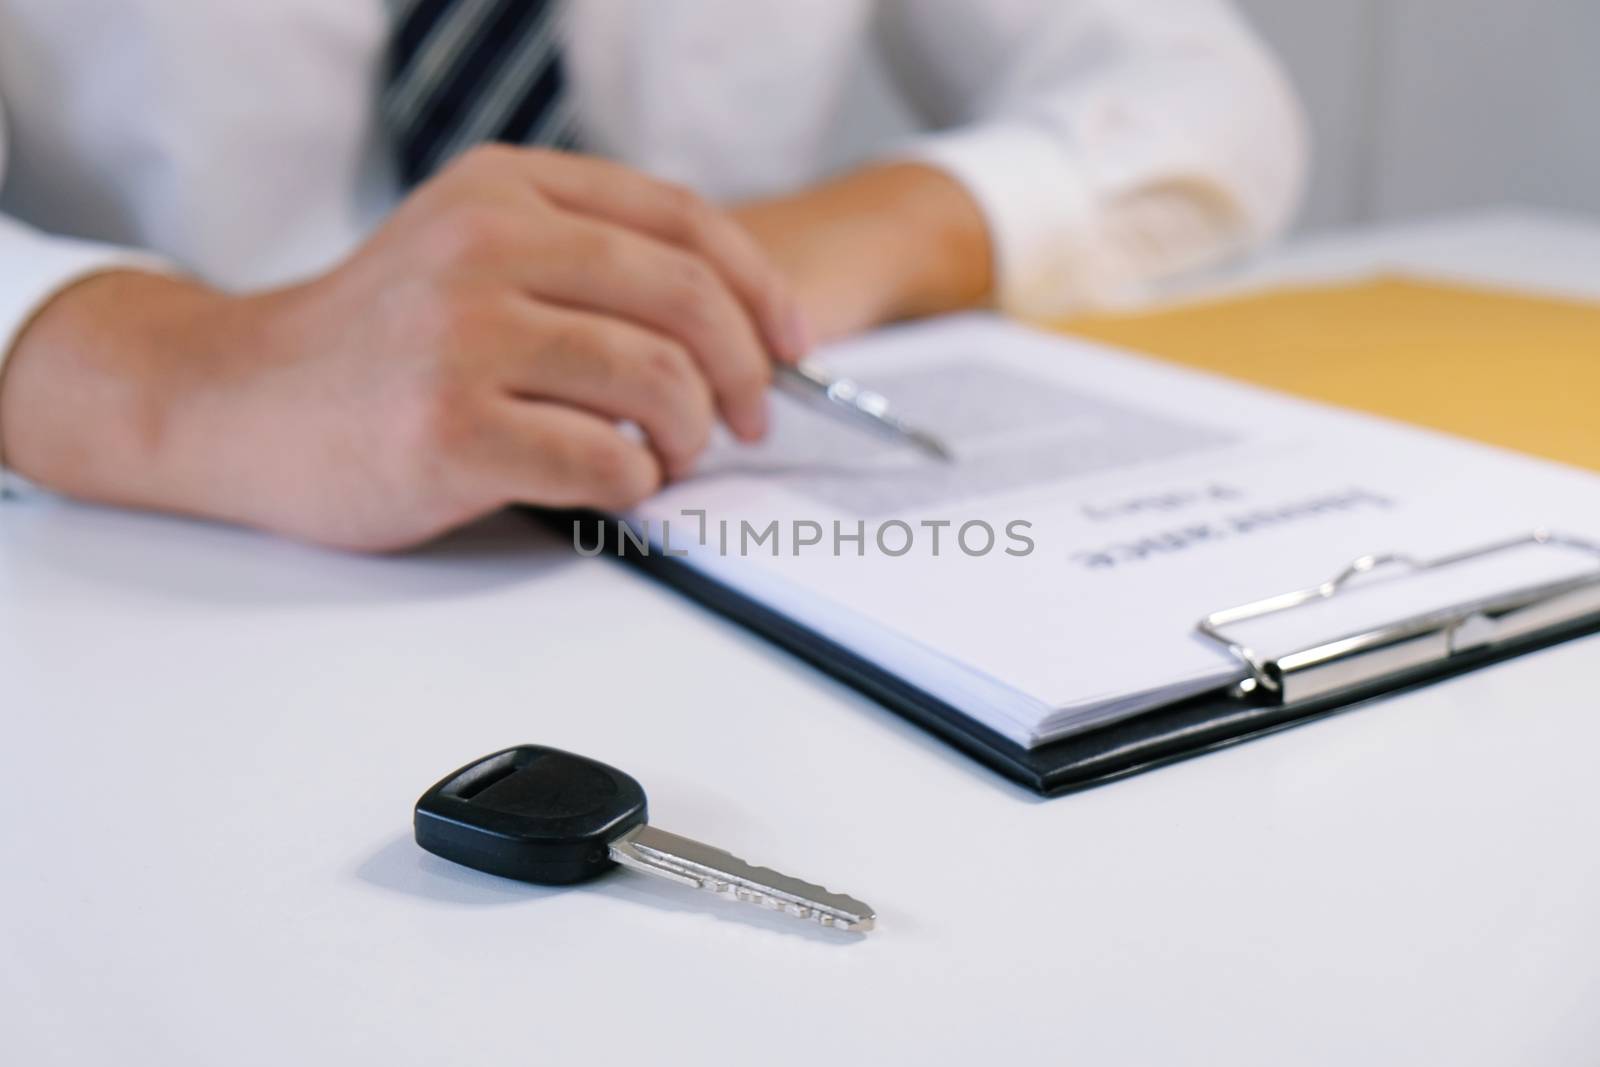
point(859, 406)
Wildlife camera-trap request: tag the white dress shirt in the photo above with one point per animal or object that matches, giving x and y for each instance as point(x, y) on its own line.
point(1110, 143)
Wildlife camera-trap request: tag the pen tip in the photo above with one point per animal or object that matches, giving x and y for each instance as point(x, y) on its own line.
point(932, 446)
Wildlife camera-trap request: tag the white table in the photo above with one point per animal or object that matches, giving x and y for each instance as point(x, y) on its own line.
point(213, 742)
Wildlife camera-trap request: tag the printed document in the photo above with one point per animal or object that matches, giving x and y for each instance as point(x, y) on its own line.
point(1050, 578)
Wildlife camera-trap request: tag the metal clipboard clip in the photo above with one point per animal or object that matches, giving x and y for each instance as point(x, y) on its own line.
point(1419, 641)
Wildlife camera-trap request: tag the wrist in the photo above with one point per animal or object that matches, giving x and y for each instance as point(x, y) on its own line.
point(934, 241)
point(888, 242)
point(100, 384)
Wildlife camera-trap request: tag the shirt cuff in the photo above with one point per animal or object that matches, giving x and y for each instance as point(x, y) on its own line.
point(35, 267)
point(1051, 252)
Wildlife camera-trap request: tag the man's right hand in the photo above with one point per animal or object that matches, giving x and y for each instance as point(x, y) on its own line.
point(487, 346)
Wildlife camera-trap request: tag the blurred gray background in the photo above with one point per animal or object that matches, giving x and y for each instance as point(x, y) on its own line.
point(1423, 108)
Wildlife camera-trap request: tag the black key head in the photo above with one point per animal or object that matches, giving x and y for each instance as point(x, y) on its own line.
point(532, 813)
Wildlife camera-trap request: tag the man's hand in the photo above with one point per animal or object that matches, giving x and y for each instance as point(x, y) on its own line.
point(486, 346)
point(888, 242)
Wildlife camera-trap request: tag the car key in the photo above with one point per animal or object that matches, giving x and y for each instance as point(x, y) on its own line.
point(542, 815)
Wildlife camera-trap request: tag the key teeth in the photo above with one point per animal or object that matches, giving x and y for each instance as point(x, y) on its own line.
point(667, 858)
point(772, 903)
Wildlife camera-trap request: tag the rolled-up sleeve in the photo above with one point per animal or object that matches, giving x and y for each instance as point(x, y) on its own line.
point(35, 266)
point(1111, 144)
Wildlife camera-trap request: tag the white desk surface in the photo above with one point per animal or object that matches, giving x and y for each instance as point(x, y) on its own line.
point(213, 742)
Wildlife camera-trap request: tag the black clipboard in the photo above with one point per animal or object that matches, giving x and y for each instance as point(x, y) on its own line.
point(1289, 690)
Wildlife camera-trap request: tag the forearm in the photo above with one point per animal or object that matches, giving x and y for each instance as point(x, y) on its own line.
point(1111, 144)
point(888, 242)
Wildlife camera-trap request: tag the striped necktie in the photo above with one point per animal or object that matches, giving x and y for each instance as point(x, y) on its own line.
point(465, 71)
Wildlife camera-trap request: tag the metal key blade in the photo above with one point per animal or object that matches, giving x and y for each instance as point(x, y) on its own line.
point(687, 862)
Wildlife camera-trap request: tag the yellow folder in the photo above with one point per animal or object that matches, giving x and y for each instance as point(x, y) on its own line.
point(1507, 368)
